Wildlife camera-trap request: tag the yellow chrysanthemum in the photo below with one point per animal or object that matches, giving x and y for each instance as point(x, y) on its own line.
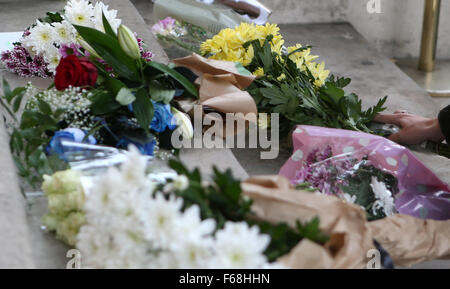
point(281, 77)
point(228, 45)
point(319, 73)
point(259, 72)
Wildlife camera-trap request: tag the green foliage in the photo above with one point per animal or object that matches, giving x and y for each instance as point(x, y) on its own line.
point(108, 48)
point(29, 136)
point(222, 200)
point(189, 86)
point(358, 184)
point(133, 81)
point(286, 90)
point(143, 109)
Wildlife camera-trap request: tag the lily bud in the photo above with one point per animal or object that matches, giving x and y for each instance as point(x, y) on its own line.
point(128, 42)
point(184, 123)
point(87, 47)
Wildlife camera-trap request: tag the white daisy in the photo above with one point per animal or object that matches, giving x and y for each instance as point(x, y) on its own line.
point(52, 56)
point(111, 16)
point(64, 33)
point(79, 12)
point(40, 38)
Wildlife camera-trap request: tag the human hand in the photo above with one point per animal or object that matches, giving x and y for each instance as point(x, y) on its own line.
point(414, 129)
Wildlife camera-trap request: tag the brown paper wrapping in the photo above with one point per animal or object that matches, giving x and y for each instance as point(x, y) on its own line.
point(221, 87)
point(407, 239)
point(410, 240)
point(276, 201)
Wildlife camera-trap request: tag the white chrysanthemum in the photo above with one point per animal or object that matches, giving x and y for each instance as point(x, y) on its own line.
point(240, 247)
point(195, 249)
point(348, 198)
point(163, 216)
point(192, 227)
point(133, 169)
point(127, 227)
point(111, 16)
point(114, 236)
point(79, 12)
point(181, 183)
point(64, 33)
point(384, 198)
point(52, 57)
point(40, 38)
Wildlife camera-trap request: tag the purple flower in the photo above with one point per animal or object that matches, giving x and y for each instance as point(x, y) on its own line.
point(164, 27)
point(19, 61)
point(72, 48)
point(324, 173)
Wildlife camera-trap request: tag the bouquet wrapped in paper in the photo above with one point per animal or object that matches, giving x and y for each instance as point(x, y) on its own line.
point(408, 240)
point(212, 15)
point(371, 171)
point(182, 25)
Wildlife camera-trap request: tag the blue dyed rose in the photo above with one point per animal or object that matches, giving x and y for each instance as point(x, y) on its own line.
point(146, 149)
point(69, 134)
point(162, 118)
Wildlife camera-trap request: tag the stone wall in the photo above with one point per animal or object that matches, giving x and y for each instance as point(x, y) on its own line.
point(396, 31)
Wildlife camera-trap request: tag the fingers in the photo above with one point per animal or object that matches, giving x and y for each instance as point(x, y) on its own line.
point(396, 137)
point(406, 137)
point(389, 118)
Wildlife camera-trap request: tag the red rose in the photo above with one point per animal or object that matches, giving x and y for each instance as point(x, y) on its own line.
point(76, 72)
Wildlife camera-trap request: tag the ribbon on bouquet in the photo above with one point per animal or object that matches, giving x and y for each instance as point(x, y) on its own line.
point(221, 90)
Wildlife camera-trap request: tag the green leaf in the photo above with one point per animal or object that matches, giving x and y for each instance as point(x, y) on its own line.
point(113, 85)
point(143, 109)
point(103, 103)
point(189, 86)
point(17, 103)
point(107, 27)
point(275, 95)
point(159, 93)
point(109, 49)
point(6, 90)
point(125, 97)
point(44, 107)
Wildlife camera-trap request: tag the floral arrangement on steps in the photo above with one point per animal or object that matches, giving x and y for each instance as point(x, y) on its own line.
point(128, 219)
point(289, 80)
point(53, 37)
point(105, 91)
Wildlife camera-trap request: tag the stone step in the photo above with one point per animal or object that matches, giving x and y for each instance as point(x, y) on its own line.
point(23, 244)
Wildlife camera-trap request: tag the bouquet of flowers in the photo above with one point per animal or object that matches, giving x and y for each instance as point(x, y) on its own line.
point(210, 15)
point(382, 177)
point(179, 38)
point(129, 219)
point(355, 181)
point(106, 91)
point(289, 80)
point(53, 37)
